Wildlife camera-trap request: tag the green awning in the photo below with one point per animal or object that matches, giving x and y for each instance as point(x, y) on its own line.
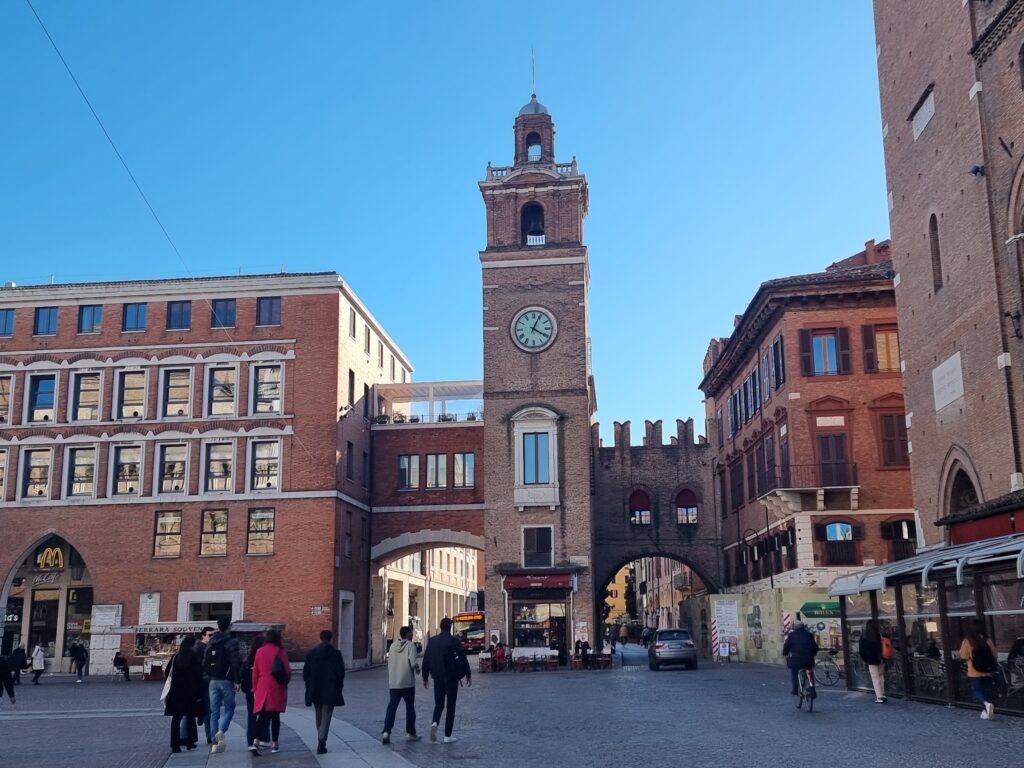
point(820, 610)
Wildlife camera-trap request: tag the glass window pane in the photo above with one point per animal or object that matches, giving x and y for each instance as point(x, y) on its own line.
point(167, 539)
point(132, 395)
point(41, 398)
point(172, 468)
point(222, 392)
point(265, 465)
point(126, 469)
point(261, 532)
point(268, 389)
point(177, 393)
point(81, 473)
point(37, 474)
point(219, 458)
point(215, 532)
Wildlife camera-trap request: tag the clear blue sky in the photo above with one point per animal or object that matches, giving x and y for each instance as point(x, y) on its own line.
point(725, 144)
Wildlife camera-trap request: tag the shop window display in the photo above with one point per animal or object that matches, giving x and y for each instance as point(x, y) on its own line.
point(960, 613)
point(924, 641)
point(1003, 596)
point(858, 612)
point(887, 624)
point(539, 625)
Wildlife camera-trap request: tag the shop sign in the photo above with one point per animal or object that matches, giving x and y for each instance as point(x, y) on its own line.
point(538, 581)
point(13, 617)
point(51, 559)
point(50, 577)
point(820, 610)
point(74, 626)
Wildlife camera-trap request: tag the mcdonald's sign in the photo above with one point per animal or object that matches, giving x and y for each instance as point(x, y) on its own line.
point(51, 559)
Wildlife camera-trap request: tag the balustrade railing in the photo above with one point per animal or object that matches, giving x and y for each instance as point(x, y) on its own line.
point(398, 417)
point(837, 475)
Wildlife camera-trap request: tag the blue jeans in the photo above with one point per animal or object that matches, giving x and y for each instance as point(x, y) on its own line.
point(222, 696)
point(982, 687)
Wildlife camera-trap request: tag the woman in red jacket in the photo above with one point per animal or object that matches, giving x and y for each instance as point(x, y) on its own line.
point(271, 673)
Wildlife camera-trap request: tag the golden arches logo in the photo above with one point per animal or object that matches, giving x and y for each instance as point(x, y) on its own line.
point(51, 559)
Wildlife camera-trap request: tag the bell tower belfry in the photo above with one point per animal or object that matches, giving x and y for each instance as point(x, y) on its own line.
point(539, 400)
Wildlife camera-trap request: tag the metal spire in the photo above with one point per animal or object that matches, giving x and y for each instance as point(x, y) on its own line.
point(533, 74)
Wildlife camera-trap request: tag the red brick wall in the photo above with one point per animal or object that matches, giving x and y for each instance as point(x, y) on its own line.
point(391, 442)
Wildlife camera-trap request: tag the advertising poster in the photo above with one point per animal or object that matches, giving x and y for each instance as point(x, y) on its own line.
point(727, 620)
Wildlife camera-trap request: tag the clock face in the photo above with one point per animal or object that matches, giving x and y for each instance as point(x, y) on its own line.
point(533, 329)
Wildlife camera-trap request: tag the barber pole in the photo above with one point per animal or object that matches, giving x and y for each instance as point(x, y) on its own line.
point(787, 623)
point(714, 636)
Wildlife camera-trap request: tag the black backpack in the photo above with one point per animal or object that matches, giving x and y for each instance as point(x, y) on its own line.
point(216, 663)
point(456, 664)
point(982, 658)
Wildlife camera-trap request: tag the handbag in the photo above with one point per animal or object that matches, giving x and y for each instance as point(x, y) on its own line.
point(167, 682)
point(277, 671)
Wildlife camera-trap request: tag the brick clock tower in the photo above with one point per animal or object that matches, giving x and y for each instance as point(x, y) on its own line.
point(539, 399)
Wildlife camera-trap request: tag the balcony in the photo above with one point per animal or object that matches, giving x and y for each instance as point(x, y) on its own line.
point(428, 403)
point(809, 487)
point(535, 240)
point(501, 172)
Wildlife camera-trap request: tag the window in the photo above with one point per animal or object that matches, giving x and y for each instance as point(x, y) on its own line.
point(881, 348)
point(408, 472)
point(348, 533)
point(81, 472)
point(131, 394)
point(839, 532)
point(779, 361)
point(537, 551)
point(366, 470)
point(223, 313)
point(840, 541)
point(686, 507)
point(366, 340)
point(535, 458)
point(923, 111)
point(219, 459)
point(380, 355)
point(366, 401)
point(267, 392)
point(179, 315)
point(718, 428)
point(350, 458)
point(36, 476)
point(766, 387)
point(167, 535)
point(133, 317)
point(3, 475)
point(85, 403)
point(6, 322)
point(404, 372)
point(173, 460)
point(825, 352)
point(268, 310)
point(894, 440)
point(215, 532)
point(351, 387)
point(261, 532)
point(266, 466)
point(639, 508)
point(221, 392)
point(352, 322)
point(392, 367)
point(736, 484)
point(531, 224)
point(89, 317)
point(465, 471)
point(41, 396)
point(6, 391)
point(936, 254)
point(177, 394)
point(45, 321)
point(437, 470)
point(126, 470)
point(751, 477)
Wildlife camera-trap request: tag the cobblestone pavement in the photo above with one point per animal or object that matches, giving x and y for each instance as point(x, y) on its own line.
point(731, 714)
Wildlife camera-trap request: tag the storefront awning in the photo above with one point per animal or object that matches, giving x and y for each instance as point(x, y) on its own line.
point(538, 581)
point(955, 558)
point(183, 628)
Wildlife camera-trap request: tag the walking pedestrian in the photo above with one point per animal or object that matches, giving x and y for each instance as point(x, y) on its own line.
point(79, 657)
point(623, 635)
point(871, 655)
point(199, 651)
point(38, 663)
point(184, 699)
point(251, 734)
point(445, 661)
point(402, 670)
point(271, 674)
point(980, 653)
point(121, 665)
point(612, 638)
point(324, 676)
point(19, 661)
point(223, 667)
point(6, 681)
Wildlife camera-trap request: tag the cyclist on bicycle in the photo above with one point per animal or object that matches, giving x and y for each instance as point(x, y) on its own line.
point(800, 650)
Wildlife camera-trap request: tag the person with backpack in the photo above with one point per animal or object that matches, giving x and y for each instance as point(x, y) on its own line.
point(402, 669)
point(324, 676)
point(445, 661)
point(271, 673)
point(183, 695)
point(871, 655)
point(222, 666)
point(980, 654)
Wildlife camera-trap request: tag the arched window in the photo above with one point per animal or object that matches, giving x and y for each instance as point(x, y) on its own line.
point(686, 507)
point(839, 532)
point(532, 224)
point(533, 149)
point(639, 508)
point(933, 242)
point(964, 495)
point(840, 541)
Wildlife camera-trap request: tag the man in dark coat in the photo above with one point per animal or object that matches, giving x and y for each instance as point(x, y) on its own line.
point(5, 680)
point(324, 675)
point(18, 662)
point(800, 650)
point(445, 661)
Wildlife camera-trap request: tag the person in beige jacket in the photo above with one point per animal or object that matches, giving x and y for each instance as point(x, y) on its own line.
point(402, 671)
point(979, 652)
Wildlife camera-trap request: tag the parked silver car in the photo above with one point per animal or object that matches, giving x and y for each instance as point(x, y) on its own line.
point(671, 646)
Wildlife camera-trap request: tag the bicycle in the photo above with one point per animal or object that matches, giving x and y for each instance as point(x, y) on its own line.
point(805, 678)
point(830, 671)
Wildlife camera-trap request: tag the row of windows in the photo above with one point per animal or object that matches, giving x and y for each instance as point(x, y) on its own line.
point(640, 508)
point(367, 346)
point(827, 352)
point(125, 469)
point(463, 471)
point(133, 316)
point(131, 389)
point(768, 375)
point(213, 539)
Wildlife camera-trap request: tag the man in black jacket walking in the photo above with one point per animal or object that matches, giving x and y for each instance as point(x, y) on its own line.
point(324, 675)
point(18, 662)
point(800, 650)
point(222, 664)
point(5, 680)
point(446, 662)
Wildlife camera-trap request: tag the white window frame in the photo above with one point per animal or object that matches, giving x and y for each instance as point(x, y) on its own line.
point(455, 483)
point(112, 469)
point(26, 406)
point(252, 387)
point(250, 469)
point(68, 467)
point(207, 401)
point(9, 420)
point(73, 396)
point(204, 455)
point(162, 392)
point(158, 468)
point(118, 393)
point(535, 419)
point(6, 452)
point(416, 480)
point(23, 467)
point(522, 545)
point(234, 596)
point(442, 481)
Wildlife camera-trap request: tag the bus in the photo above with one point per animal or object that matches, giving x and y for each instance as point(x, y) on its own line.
point(470, 629)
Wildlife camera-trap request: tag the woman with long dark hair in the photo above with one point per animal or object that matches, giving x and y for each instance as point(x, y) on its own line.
point(185, 697)
point(251, 734)
point(871, 655)
point(271, 673)
point(979, 652)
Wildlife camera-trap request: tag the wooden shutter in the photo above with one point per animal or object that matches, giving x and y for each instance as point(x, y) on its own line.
point(780, 372)
point(890, 440)
point(887, 532)
point(806, 355)
point(843, 344)
point(858, 532)
point(867, 333)
point(820, 532)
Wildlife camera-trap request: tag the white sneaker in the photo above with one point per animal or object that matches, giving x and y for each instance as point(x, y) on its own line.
point(218, 737)
point(449, 739)
point(385, 738)
point(984, 714)
point(433, 731)
point(990, 710)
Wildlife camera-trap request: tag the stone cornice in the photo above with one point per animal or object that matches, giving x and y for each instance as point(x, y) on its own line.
point(996, 32)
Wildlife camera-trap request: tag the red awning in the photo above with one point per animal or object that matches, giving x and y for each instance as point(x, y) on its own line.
point(538, 581)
